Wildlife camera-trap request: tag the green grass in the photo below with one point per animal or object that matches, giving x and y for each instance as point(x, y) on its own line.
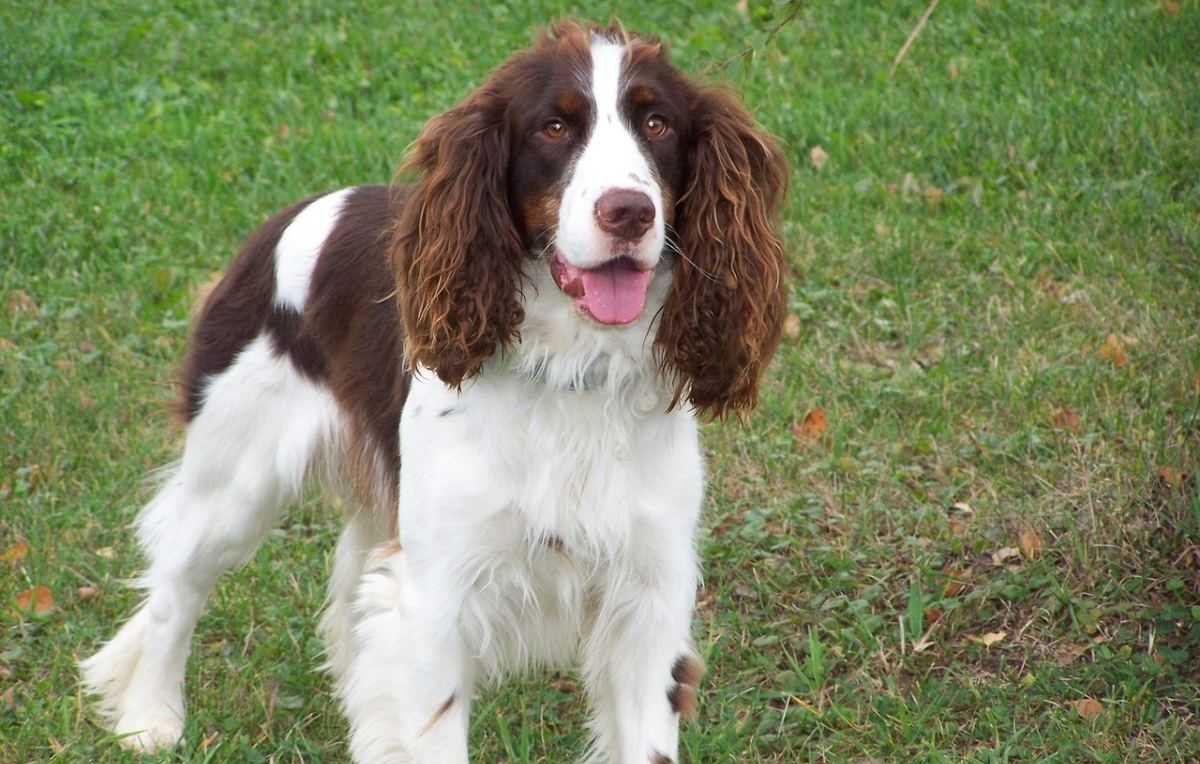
point(1026, 185)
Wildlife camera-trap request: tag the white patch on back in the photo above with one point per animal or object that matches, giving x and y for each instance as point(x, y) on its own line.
point(300, 245)
point(611, 159)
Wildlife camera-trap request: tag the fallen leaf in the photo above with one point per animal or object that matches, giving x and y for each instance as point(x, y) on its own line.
point(16, 552)
point(1066, 654)
point(86, 593)
point(988, 639)
point(19, 301)
point(933, 615)
point(814, 425)
point(1088, 708)
point(818, 157)
point(791, 326)
point(1003, 555)
point(1113, 351)
point(1030, 542)
point(38, 599)
point(1067, 418)
point(1170, 476)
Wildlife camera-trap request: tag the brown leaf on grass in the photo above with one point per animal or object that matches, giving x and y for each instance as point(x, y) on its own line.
point(1113, 351)
point(791, 326)
point(988, 639)
point(1030, 542)
point(1171, 476)
point(959, 519)
point(19, 301)
point(86, 593)
point(1067, 418)
point(813, 426)
point(39, 600)
point(1088, 708)
point(818, 156)
point(15, 553)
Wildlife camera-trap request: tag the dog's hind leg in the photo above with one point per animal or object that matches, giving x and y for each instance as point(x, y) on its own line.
point(247, 452)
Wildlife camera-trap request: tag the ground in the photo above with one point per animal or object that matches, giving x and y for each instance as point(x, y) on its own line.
point(964, 523)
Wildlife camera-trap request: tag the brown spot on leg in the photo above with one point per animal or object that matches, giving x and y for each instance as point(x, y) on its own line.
point(688, 669)
point(437, 715)
point(686, 672)
point(683, 700)
point(555, 543)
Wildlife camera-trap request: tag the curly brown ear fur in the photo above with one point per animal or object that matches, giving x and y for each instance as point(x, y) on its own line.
point(722, 319)
point(455, 251)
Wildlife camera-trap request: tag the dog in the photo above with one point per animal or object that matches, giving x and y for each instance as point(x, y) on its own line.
point(501, 367)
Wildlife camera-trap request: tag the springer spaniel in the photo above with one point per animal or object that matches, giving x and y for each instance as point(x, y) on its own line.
point(501, 366)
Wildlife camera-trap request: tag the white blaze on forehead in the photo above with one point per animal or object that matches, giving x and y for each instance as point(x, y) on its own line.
point(611, 159)
point(300, 245)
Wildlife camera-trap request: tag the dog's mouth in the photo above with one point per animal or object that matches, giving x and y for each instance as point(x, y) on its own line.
point(613, 294)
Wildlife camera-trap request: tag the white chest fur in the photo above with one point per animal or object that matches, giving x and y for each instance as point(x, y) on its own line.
point(534, 504)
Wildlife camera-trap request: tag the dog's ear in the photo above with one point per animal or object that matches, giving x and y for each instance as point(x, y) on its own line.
point(456, 251)
point(723, 316)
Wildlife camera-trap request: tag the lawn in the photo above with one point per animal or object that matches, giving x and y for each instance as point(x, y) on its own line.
point(963, 524)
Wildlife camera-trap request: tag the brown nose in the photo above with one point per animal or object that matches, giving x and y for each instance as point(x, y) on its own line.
point(624, 213)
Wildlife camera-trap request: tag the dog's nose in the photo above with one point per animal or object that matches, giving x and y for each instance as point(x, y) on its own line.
point(624, 213)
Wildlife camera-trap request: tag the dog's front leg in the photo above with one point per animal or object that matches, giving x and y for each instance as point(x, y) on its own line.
point(408, 689)
point(641, 669)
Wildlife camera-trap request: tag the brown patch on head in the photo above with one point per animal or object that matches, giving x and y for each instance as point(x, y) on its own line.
point(642, 95)
point(571, 103)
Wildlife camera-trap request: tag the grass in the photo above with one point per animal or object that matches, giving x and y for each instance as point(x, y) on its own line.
point(998, 521)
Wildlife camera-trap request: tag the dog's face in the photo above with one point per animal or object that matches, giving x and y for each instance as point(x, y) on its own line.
point(598, 162)
point(590, 155)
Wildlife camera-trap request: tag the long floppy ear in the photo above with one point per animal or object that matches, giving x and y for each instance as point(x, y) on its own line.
point(722, 319)
point(456, 251)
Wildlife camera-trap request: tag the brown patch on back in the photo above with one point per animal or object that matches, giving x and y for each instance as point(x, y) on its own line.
point(234, 311)
point(351, 323)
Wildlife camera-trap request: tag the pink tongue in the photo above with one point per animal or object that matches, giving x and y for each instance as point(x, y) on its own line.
point(615, 293)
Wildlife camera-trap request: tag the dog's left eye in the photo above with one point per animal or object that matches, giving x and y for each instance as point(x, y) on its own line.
point(656, 126)
point(555, 129)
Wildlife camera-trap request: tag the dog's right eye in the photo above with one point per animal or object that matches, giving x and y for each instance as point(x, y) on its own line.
point(555, 129)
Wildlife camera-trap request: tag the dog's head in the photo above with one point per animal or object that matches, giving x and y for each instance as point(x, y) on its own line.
point(593, 157)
